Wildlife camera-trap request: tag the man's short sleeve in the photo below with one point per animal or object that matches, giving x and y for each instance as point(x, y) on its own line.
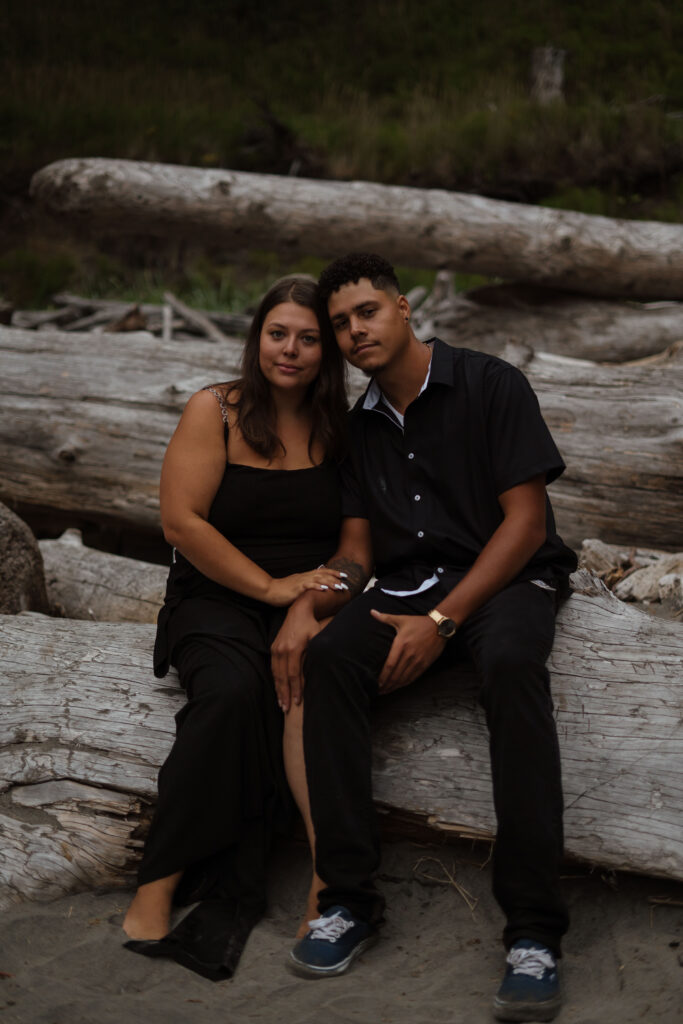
point(352, 503)
point(520, 444)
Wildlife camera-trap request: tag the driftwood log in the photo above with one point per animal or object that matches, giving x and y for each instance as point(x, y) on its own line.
point(83, 583)
point(620, 429)
point(85, 726)
point(84, 422)
point(22, 583)
point(423, 227)
point(487, 319)
point(637, 574)
point(85, 419)
point(75, 313)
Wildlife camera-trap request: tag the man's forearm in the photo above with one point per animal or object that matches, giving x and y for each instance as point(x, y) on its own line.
point(502, 558)
point(325, 604)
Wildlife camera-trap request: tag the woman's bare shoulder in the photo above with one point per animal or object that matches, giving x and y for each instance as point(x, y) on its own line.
point(226, 394)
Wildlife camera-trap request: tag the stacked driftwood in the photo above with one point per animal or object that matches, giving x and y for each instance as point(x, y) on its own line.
point(172, 319)
point(85, 418)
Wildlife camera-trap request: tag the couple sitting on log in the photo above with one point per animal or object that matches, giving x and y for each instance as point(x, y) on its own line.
point(279, 506)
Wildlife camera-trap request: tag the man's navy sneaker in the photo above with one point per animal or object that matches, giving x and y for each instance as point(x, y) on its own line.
point(332, 944)
point(531, 986)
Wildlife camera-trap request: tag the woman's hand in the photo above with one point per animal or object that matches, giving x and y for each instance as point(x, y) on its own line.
point(284, 591)
point(287, 652)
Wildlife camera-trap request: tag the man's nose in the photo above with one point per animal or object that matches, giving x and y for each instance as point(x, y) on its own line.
point(356, 326)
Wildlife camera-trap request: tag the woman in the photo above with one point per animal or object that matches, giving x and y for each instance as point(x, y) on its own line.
point(250, 503)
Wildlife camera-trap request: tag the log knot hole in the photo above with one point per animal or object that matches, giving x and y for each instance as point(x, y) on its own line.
point(69, 450)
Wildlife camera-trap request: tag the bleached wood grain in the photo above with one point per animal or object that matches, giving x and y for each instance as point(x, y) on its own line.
point(566, 324)
point(85, 727)
point(85, 420)
point(83, 583)
point(417, 227)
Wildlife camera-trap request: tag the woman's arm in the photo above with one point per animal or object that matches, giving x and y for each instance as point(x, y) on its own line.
point(311, 610)
point(192, 470)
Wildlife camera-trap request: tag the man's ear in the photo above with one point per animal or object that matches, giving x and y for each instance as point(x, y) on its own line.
point(403, 307)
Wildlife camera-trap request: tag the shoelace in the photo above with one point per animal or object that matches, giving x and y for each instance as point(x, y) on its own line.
point(530, 961)
point(329, 928)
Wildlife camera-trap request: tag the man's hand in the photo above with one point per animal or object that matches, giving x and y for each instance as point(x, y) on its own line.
point(287, 651)
point(416, 646)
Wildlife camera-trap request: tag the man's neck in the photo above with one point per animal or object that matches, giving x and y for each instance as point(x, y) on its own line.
point(401, 382)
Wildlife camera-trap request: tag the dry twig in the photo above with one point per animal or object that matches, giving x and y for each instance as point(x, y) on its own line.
point(424, 876)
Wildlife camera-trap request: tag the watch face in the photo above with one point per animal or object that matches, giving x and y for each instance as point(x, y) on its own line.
point(446, 628)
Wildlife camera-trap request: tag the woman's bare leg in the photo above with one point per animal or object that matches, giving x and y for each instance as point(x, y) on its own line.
point(149, 915)
point(295, 768)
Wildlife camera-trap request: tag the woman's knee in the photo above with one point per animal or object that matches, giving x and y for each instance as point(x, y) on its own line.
point(223, 690)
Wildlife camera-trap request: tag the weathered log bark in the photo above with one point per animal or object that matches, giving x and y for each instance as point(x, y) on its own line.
point(85, 727)
point(488, 319)
point(22, 583)
point(637, 574)
point(620, 431)
point(84, 423)
point(196, 319)
point(85, 420)
point(83, 583)
point(547, 74)
point(427, 227)
point(75, 309)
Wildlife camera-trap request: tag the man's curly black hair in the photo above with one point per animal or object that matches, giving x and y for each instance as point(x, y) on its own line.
point(351, 268)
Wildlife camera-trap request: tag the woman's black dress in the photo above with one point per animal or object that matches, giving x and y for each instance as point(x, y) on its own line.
point(222, 790)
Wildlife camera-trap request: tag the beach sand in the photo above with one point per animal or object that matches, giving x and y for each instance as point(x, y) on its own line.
point(437, 961)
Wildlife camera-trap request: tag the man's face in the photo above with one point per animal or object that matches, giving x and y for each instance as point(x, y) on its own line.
point(371, 326)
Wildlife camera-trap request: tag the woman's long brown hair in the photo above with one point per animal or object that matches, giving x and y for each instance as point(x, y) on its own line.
point(327, 393)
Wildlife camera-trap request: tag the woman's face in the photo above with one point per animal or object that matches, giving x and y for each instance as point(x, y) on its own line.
point(290, 349)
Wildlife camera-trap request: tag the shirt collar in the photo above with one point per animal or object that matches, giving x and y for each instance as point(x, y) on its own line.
point(441, 366)
point(439, 370)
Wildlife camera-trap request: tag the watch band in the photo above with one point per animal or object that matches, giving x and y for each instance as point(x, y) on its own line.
point(445, 627)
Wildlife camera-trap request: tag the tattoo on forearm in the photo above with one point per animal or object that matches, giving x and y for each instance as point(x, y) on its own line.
point(356, 576)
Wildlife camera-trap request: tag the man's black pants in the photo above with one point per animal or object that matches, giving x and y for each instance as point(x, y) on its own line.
point(509, 640)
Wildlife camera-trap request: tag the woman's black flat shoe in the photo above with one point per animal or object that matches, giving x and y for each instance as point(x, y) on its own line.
point(148, 947)
point(209, 941)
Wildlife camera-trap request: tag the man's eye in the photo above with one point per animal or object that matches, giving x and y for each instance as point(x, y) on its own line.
point(367, 312)
point(339, 325)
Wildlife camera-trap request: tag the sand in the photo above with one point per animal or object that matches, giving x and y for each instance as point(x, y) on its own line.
point(437, 961)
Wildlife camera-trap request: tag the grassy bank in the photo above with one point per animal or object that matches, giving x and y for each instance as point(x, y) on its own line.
point(430, 94)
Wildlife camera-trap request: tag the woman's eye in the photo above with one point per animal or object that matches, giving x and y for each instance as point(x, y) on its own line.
point(310, 339)
point(277, 333)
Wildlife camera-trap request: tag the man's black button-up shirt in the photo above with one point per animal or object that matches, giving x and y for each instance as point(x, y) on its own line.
point(430, 488)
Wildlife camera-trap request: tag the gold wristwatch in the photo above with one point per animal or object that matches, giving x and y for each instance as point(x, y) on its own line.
point(445, 627)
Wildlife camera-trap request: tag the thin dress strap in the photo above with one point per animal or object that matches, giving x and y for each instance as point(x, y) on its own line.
point(215, 390)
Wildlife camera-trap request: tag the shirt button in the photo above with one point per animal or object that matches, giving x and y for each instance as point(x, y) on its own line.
point(417, 497)
point(411, 455)
point(420, 533)
point(439, 569)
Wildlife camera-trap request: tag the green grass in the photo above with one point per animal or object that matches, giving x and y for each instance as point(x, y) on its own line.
point(31, 274)
point(433, 92)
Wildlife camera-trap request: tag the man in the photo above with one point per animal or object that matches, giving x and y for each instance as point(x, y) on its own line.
point(444, 494)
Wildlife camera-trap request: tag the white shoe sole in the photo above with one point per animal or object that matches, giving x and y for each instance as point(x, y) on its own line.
point(304, 970)
point(529, 1011)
